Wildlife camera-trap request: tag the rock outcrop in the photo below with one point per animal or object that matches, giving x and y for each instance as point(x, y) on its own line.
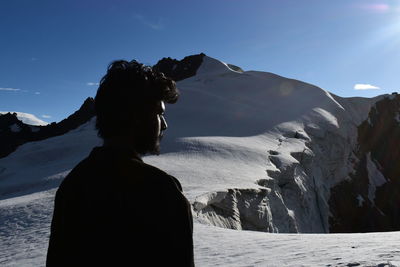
point(14, 132)
point(370, 200)
point(179, 69)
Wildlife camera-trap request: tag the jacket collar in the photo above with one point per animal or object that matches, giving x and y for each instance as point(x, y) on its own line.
point(108, 151)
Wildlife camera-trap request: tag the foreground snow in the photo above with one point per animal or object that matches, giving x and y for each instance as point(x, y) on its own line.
point(25, 222)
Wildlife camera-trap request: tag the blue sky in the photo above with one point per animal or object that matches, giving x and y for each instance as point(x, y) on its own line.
point(52, 53)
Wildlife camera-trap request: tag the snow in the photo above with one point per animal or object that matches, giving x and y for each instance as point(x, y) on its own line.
point(25, 222)
point(27, 118)
point(45, 163)
point(241, 104)
point(397, 117)
point(246, 248)
point(211, 65)
point(357, 107)
point(328, 116)
point(360, 200)
point(301, 134)
point(375, 177)
point(271, 146)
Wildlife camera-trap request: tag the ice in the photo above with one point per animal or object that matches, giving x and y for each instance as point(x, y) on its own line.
point(397, 118)
point(375, 177)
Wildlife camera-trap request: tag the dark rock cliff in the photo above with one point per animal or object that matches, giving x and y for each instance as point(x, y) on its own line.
point(13, 133)
point(179, 69)
point(370, 200)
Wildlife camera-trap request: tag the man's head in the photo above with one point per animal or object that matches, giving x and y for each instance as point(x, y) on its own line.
point(130, 104)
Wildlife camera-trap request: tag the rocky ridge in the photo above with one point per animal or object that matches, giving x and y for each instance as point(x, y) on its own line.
point(14, 132)
point(369, 200)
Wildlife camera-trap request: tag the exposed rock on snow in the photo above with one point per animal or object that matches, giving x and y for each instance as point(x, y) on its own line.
point(179, 69)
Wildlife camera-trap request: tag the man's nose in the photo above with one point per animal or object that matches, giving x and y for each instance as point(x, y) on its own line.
point(164, 124)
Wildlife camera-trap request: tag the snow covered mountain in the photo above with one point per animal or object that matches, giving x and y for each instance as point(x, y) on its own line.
point(253, 151)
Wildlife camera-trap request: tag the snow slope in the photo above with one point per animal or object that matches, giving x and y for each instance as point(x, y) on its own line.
point(253, 151)
point(284, 142)
point(40, 165)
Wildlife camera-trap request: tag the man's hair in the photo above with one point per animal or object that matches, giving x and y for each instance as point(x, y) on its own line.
point(129, 90)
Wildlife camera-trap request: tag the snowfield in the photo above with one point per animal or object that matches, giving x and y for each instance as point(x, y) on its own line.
point(25, 222)
point(256, 145)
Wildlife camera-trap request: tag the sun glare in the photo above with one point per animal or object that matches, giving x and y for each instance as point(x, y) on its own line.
point(387, 35)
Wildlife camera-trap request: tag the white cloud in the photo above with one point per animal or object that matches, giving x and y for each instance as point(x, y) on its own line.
point(92, 84)
point(159, 25)
point(37, 93)
point(361, 86)
point(9, 89)
point(46, 116)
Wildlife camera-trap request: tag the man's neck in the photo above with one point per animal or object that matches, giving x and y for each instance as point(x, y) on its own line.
point(121, 143)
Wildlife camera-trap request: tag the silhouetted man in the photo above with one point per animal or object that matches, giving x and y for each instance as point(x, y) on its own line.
point(113, 209)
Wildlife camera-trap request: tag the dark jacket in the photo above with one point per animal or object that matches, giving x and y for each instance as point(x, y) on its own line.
point(115, 210)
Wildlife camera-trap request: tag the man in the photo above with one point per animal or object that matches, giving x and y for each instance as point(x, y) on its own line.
point(113, 209)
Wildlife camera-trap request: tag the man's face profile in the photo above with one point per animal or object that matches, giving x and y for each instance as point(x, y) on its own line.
point(159, 127)
point(152, 130)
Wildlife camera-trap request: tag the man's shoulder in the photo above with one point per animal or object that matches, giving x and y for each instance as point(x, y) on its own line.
point(73, 178)
point(154, 174)
point(95, 169)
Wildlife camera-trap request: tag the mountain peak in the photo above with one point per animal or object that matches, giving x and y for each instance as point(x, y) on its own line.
point(180, 69)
